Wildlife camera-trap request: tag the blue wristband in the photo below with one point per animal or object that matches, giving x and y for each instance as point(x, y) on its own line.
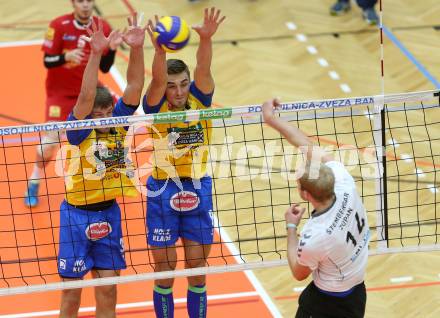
point(291, 226)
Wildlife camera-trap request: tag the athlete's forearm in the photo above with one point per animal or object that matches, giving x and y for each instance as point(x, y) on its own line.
point(293, 134)
point(54, 60)
point(159, 68)
point(202, 73)
point(107, 61)
point(89, 83)
point(204, 56)
point(135, 77)
point(292, 246)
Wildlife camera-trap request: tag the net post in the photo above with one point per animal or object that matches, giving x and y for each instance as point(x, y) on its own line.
point(381, 203)
point(384, 176)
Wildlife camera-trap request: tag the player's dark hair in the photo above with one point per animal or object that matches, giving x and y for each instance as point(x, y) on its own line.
point(103, 98)
point(175, 66)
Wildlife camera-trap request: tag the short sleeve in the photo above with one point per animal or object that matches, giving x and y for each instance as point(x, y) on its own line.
point(106, 28)
point(75, 137)
point(309, 251)
point(152, 109)
point(53, 39)
point(122, 109)
point(343, 179)
point(205, 99)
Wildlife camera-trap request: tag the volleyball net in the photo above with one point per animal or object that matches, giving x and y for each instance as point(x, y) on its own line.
point(390, 144)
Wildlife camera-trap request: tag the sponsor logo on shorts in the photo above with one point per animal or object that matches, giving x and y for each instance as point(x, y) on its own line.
point(97, 231)
point(161, 235)
point(54, 111)
point(184, 201)
point(79, 266)
point(122, 249)
point(62, 264)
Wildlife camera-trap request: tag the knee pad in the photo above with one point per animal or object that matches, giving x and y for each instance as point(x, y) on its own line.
point(49, 142)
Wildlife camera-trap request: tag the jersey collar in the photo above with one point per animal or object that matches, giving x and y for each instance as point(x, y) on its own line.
point(315, 214)
point(80, 26)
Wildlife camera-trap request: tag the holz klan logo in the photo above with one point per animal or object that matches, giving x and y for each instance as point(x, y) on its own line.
point(97, 231)
point(184, 201)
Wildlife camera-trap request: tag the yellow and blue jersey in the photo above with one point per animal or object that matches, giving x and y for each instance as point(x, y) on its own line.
point(98, 167)
point(181, 149)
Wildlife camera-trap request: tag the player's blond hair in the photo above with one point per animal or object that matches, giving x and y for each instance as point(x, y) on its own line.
point(318, 180)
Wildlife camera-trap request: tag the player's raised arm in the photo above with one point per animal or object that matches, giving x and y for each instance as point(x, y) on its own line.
point(134, 38)
point(108, 58)
point(293, 134)
point(202, 73)
point(158, 84)
point(98, 43)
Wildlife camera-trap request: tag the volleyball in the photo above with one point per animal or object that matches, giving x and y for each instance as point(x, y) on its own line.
point(172, 33)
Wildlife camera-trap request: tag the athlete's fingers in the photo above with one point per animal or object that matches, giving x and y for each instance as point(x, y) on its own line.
point(135, 19)
point(216, 15)
point(100, 25)
point(89, 31)
point(94, 27)
point(86, 38)
point(150, 27)
point(221, 20)
point(295, 209)
point(140, 18)
point(205, 16)
point(302, 210)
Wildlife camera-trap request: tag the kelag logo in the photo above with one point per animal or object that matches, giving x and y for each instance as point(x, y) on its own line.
point(215, 113)
point(171, 117)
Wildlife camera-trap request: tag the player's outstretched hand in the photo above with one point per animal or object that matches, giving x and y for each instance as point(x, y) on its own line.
point(269, 108)
point(294, 214)
point(75, 56)
point(150, 29)
point(98, 41)
point(114, 39)
point(210, 24)
point(135, 35)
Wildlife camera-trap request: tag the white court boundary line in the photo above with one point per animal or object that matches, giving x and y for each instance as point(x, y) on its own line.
point(130, 305)
point(21, 43)
point(249, 274)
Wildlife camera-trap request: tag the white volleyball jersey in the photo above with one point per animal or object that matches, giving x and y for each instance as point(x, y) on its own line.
point(334, 243)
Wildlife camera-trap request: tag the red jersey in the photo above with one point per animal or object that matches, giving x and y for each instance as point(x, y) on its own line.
point(63, 35)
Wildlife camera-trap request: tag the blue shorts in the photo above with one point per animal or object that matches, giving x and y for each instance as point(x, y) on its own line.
point(173, 212)
point(89, 240)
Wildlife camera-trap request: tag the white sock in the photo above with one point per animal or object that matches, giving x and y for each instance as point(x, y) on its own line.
point(36, 174)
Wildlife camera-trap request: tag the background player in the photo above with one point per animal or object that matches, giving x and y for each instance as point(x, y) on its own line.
point(65, 57)
point(368, 12)
point(180, 154)
point(90, 220)
point(334, 241)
